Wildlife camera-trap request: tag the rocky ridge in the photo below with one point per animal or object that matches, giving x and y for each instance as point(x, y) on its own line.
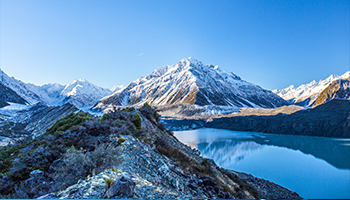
point(149, 156)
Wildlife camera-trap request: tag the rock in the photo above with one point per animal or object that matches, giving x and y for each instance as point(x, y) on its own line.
point(54, 165)
point(123, 186)
point(36, 173)
point(218, 188)
point(208, 181)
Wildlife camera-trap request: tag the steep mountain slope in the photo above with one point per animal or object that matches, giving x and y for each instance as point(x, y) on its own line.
point(8, 95)
point(80, 92)
point(339, 89)
point(306, 95)
point(192, 82)
point(30, 92)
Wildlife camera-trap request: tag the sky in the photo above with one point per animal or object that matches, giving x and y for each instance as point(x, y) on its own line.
point(273, 44)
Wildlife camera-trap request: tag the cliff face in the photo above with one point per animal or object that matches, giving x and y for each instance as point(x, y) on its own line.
point(80, 157)
point(328, 120)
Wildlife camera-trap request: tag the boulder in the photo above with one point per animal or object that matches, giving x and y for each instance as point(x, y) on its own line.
point(122, 186)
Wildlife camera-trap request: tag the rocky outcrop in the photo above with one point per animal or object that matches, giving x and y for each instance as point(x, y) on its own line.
point(122, 186)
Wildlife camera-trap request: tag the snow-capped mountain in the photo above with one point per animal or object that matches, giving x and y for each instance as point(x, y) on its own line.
point(338, 89)
point(83, 93)
point(306, 95)
point(80, 92)
point(191, 82)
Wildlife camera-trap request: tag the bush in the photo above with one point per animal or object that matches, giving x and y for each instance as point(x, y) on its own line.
point(104, 117)
point(128, 109)
point(69, 121)
point(149, 113)
point(137, 121)
point(78, 165)
point(121, 140)
point(109, 183)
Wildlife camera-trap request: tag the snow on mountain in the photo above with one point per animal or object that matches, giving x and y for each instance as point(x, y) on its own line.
point(30, 92)
point(80, 92)
point(83, 93)
point(191, 82)
point(306, 94)
point(116, 88)
point(338, 89)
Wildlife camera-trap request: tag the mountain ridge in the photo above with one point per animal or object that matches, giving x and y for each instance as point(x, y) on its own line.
point(191, 82)
point(306, 94)
point(80, 92)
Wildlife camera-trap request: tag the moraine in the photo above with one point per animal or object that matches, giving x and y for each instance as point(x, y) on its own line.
point(314, 167)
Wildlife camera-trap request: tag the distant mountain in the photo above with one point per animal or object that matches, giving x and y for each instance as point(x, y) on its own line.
point(80, 92)
point(338, 89)
point(83, 93)
point(192, 82)
point(306, 95)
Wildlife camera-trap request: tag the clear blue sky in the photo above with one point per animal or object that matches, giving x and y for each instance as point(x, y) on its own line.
point(110, 42)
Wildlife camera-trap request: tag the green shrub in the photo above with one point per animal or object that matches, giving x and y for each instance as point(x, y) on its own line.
point(137, 121)
point(146, 105)
point(121, 140)
point(104, 117)
point(69, 121)
point(128, 109)
point(109, 183)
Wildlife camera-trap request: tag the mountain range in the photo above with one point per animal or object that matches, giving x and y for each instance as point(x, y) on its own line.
point(191, 82)
point(306, 94)
point(80, 92)
point(188, 86)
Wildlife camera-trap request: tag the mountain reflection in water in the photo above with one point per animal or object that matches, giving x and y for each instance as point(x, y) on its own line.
point(314, 167)
point(228, 152)
point(232, 146)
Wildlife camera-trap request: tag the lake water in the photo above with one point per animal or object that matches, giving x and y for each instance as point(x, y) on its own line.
point(314, 167)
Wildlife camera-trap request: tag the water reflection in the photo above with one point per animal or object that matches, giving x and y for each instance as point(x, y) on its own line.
point(228, 152)
point(314, 167)
point(230, 147)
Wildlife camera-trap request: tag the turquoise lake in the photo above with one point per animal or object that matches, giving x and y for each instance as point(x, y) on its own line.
point(314, 167)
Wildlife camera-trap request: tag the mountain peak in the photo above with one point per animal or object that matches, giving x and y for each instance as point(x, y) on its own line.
point(191, 82)
point(79, 81)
